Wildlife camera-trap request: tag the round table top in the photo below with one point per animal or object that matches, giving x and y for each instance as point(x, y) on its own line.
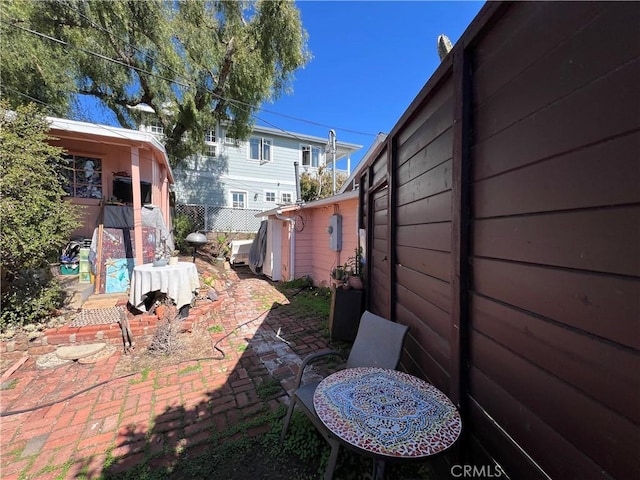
point(387, 412)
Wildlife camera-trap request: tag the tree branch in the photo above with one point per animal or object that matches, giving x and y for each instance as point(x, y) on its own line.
point(121, 54)
point(227, 63)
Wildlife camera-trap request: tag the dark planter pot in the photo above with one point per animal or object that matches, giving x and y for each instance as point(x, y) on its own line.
point(344, 319)
point(355, 282)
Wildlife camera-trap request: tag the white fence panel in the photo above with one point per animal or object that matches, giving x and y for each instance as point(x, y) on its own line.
point(209, 218)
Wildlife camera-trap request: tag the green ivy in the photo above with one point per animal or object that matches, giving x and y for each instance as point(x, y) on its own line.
point(268, 388)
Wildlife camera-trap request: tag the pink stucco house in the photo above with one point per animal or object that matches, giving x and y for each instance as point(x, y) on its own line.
point(113, 166)
point(298, 241)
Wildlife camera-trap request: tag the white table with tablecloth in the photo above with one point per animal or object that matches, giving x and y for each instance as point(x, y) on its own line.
point(178, 282)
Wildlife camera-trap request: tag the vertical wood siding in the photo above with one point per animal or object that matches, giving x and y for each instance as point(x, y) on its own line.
point(378, 253)
point(532, 256)
point(378, 237)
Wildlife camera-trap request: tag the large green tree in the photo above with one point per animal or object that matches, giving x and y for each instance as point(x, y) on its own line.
point(193, 62)
point(35, 221)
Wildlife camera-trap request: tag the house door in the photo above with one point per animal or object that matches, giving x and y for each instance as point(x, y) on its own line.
point(379, 263)
point(272, 266)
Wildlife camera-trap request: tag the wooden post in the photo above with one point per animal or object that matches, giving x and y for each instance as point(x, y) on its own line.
point(460, 211)
point(96, 287)
point(137, 204)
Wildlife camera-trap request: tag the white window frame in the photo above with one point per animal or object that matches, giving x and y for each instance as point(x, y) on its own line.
point(154, 126)
point(210, 136)
point(270, 192)
point(311, 149)
point(212, 150)
point(286, 202)
point(239, 192)
point(262, 141)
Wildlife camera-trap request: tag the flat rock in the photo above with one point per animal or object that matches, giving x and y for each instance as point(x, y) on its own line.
point(50, 360)
point(34, 445)
point(101, 355)
point(75, 352)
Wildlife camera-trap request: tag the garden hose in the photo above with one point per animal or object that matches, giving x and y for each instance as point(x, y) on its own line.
point(9, 413)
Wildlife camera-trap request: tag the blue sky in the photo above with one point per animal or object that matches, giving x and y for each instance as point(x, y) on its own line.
point(370, 60)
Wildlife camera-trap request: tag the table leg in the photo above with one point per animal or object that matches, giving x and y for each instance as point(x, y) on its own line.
point(378, 469)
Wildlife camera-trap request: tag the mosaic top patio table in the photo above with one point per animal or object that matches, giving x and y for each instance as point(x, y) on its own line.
point(387, 414)
point(178, 282)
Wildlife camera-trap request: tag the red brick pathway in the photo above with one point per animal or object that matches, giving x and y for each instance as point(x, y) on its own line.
point(62, 433)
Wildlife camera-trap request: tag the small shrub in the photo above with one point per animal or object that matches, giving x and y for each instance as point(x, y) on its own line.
point(182, 226)
point(31, 297)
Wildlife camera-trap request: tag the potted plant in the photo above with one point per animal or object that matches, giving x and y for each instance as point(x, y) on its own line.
point(222, 247)
point(173, 259)
point(354, 269)
point(338, 273)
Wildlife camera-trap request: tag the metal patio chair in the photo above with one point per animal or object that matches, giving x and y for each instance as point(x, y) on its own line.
point(378, 343)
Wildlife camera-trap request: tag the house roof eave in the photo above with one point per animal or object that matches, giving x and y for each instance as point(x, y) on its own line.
point(339, 197)
point(279, 210)
point(112, 135)
point(344, 148)
point(380, 139)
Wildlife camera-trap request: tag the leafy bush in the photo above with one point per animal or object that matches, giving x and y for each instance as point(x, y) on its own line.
point(182, 226)
point(36, 221)
point(315, 187)
point(30, 297)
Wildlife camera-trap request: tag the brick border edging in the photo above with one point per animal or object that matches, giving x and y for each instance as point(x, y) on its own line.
point(142, 326)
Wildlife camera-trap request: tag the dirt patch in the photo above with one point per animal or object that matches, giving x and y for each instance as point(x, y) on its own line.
point(189, 346)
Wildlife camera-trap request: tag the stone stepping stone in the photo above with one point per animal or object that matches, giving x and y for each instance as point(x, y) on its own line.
point(96, 357)
point(50, 360)
point(75, 352)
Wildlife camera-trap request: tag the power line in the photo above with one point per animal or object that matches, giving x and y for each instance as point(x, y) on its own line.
point(26, 96)
point(89, 52)
point(125, 42)
point(105, 127)
point(311, 122)
point(185, 85)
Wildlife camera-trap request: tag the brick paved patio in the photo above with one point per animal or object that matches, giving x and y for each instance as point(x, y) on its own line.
point(69, 421)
